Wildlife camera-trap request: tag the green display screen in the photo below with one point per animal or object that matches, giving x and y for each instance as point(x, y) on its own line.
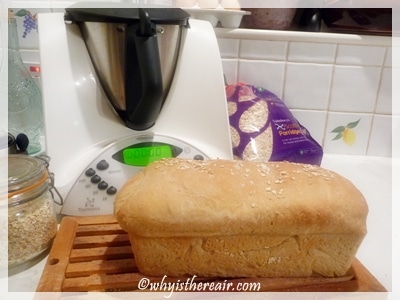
point(144, 155)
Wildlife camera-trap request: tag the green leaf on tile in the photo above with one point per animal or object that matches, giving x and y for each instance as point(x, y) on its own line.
point(338, 129)
point(353, 124)
point(21, 13)
point(338, 136)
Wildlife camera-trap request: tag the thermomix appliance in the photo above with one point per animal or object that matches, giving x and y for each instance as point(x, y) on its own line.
point(91, 130)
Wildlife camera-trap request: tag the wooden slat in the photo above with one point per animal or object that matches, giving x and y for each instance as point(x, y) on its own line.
point(94, 254)
point(95, 220)
point(128, 281)
point(101, 282)
point(101, 241)
point(99, 229)
point(88, 254)
point(284, 284)
point(100, 266)
point(54, 270)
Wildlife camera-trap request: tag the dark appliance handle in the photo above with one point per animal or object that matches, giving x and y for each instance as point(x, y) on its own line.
point(143, 78)
point(310, 20)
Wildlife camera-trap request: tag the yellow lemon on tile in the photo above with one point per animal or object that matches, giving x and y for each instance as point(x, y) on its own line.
point(349, 136)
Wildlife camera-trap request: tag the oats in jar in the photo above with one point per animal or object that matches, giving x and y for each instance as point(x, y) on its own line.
point(32, 222)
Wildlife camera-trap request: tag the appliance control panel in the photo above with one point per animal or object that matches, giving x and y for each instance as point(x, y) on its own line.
point(94, 191)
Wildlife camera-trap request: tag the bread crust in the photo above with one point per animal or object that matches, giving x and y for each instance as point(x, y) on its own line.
point(175, 206)
point(307, 255)
point(178, 197)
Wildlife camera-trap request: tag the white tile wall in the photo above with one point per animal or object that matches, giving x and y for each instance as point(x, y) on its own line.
point(323, 53)
point(265, 73)
point(314, 121)
point(360, 55)
point(326, 80)
point(384, 103)
point(354, 88)
point(307, 76)
point(266, 50)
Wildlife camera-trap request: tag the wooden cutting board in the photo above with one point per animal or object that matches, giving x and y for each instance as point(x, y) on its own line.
point(94, 254)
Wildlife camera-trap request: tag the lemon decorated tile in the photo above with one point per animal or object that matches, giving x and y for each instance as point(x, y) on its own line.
point(347, 133)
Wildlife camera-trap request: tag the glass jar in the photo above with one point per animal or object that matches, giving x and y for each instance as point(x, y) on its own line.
point(32, 221)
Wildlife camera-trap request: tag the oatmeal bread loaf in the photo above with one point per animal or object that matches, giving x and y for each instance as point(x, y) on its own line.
point(232, 218)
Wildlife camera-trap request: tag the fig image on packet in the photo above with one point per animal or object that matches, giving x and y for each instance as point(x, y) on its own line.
point(264, 129)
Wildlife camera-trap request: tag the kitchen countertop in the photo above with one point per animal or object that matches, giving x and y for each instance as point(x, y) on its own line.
point(371, 175)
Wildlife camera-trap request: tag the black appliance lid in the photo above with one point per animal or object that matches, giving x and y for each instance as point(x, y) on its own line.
point(173, 16)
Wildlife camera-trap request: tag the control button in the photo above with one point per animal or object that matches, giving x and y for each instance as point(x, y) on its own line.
point(102, 185)
point(90, 172)
point(198, 157)
point(112, 190)
point(95, 179)
point(102, 165)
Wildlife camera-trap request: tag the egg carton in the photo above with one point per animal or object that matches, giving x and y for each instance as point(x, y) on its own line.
point(228, 18)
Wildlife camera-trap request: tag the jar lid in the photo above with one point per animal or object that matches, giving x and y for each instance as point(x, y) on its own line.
point(25, 174)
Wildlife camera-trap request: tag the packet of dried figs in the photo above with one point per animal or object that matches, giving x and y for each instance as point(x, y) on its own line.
point(264, 129)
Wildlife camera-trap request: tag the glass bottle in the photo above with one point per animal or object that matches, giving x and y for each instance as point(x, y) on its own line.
point(25, 111)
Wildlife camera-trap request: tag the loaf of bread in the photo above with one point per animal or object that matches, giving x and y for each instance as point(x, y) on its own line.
point(223, 218)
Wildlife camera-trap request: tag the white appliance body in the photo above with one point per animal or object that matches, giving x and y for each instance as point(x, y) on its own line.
point(82, 132)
